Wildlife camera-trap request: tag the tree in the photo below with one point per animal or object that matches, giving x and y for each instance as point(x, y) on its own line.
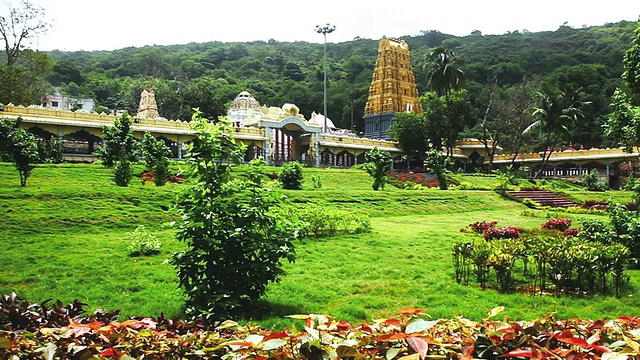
point(631, 73)
point(25, 84)
point(505, 118)
point(156, 158)
point(555, 114)
point(18, 146)
point(445, 78)
point(119, 148)
point(438, 163)
point(623, 123)
point(443, 71)
point(410, 130)
point(235, 243)
point(20, 24)
point(377, 164)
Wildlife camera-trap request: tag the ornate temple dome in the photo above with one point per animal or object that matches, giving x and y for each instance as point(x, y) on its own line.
point(242, 107)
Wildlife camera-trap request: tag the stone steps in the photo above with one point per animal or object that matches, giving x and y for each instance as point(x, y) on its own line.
point(544, 198)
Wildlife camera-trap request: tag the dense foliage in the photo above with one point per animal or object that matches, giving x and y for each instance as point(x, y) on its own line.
point(210, 75)
point(18, 146)
point(119, 148)
point(65, 332)
point(156, 158)
point(235, 243)
point(378, 163)
point(560, 261)
point(291, 176)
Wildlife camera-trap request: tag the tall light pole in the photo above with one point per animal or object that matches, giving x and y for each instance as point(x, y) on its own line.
point(324, 30)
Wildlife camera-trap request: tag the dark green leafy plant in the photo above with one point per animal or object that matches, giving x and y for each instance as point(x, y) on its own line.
point(377, 164)
point(591, 181)
point(438, 163)
point(18, 146)
point(119, 149)
point(291, 176)
point(235, 243)
point(156, 158)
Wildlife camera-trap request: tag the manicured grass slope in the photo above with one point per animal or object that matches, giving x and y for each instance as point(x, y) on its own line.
point(64, 238)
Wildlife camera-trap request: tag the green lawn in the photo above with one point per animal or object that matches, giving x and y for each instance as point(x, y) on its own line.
point(64, 237)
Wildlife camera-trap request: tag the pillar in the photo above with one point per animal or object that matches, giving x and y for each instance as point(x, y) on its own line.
point(267, 146)
point(316, 148)
point(179, 142)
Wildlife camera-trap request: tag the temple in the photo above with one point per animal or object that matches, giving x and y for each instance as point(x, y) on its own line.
point(281, 134)
point(393, 89)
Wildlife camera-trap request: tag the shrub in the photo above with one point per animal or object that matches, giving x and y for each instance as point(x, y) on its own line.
point(377, 164)
point(316, 181)
point(156, 158)
point(291, 176)
point(235, 244)
point(480, 226)
point(503, 232)
point(142, 242)
point(558, 224)
point(591, 182)
point(573, 232)
point(122, 172)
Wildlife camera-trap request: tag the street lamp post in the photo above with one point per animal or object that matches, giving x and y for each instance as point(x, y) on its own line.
point(324, 30)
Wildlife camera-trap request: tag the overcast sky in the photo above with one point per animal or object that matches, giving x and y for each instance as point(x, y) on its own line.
point(115, 24)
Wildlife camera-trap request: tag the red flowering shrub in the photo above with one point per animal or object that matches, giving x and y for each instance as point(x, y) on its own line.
point(481, 226)
point(503, 232)
point(559, 224)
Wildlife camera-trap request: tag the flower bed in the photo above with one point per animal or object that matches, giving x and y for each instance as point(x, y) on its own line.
point(412, 335)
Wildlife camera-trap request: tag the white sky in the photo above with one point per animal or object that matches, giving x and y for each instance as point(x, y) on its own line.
point(115, 24)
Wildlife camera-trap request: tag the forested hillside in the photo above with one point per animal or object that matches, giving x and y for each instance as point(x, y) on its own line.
point(209, 75)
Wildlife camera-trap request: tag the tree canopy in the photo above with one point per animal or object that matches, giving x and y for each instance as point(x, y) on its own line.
point(209, 75)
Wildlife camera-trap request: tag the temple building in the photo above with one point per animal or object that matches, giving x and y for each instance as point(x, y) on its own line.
point(393, 89)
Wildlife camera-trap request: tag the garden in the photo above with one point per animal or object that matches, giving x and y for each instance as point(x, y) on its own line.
point(68, 237)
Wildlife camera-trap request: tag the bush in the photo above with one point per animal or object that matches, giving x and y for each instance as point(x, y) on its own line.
point(591, 182)
point(558, 224)
point(235, 243)
point(316, 181)
point(291, 176)
point(377, 164)
point(142, 242)
point(319, 221)
point(503, 232)
point(480, 226)
point(529, 203)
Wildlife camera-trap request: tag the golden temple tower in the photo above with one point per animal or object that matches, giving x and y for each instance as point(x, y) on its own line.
point(393, 88)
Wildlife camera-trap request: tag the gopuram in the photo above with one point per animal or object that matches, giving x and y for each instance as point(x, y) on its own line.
point(393, 89)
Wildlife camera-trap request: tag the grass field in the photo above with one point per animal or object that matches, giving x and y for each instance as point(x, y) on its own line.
point(64, 237)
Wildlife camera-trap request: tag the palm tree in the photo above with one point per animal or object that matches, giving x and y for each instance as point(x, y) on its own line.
point(443, 73)
point(444, 76)
point(555, 115)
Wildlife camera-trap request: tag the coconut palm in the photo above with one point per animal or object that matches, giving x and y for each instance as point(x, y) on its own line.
point(443, 72)
point(556, 115)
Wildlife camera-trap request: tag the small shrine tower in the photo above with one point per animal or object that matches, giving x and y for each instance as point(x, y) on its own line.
point(393, 88)
point(148, 109)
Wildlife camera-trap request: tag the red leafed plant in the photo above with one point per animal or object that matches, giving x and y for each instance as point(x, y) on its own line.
point(480, 226)
point(502, 232)
point(559, 224)
point(410, 335)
